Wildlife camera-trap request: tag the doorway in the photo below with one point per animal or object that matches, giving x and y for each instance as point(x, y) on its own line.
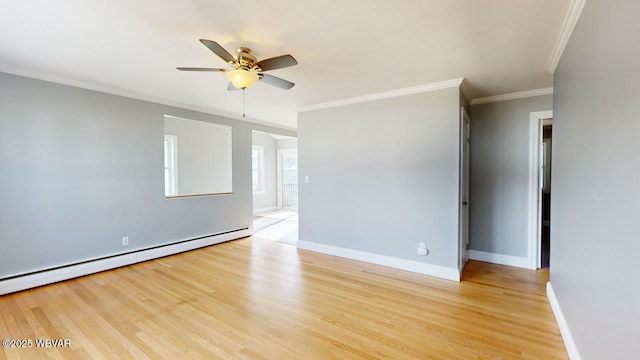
point(288, 178)
point(545, 235)
point(274, 166)
point(540, 189)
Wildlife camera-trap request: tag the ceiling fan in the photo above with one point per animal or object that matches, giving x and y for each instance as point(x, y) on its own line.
point(246, 69)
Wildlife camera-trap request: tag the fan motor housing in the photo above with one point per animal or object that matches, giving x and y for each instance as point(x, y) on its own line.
point(244, 57)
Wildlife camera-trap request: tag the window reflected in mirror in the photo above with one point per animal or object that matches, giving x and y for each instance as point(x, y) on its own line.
point(197, 158)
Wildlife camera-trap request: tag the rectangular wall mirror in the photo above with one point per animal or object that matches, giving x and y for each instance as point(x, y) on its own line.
point(197, 158)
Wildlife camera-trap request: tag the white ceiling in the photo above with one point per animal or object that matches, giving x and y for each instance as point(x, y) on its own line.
point(345, 48)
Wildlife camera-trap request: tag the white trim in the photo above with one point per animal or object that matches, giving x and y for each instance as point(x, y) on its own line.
point(174, 181)
point(275, 136)
point(261, 169)
point(396, 263)
point(229, 137)
point(501, 259)
point(534, 214)
point(265, 209)
point(52, 276)
point(9, 69)
point(465, 91)
point(569, 343)
point(279, 201)
point(570, 21)
point(385, 95)
point(512, 96)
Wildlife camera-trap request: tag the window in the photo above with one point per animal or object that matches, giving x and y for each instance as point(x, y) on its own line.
point(170, 165)
point(257, 168)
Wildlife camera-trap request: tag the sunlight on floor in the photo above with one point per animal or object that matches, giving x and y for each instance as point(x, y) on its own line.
point(281, 225)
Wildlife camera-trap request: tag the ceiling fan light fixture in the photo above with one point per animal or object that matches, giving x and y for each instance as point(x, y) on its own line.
point(241, 78)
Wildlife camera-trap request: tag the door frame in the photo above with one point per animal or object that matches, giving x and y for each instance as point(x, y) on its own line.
point(536, 120)
point(463, 232)
point(280, 185)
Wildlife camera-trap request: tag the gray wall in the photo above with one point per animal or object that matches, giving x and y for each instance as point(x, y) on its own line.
point(269, 198)
point(499, 180)
point(81, 169)
point(595, 204)
point(383, 176)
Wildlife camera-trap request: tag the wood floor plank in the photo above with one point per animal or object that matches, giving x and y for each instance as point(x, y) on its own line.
point(258, 299)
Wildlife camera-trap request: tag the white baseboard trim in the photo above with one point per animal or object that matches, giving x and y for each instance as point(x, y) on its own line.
point(403, 264)
point(569, 344)
point(90, 267)
point(264, 210)
point(501, 259)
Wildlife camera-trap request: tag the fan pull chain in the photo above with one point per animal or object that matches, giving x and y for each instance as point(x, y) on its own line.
point(243, 115)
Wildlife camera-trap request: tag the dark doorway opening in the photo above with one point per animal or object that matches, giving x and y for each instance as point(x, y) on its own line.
point(545, 245)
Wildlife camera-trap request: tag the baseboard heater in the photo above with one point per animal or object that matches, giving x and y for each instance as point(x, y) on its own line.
point(51, 275)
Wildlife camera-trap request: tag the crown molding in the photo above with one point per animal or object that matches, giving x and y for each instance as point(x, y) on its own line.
point(14, 70)
point(575, 9)
point(512, 96)
point(385, 95)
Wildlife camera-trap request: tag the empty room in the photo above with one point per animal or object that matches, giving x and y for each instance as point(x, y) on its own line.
point(423, 179)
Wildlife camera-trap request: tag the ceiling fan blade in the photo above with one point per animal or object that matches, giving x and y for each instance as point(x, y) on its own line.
point(218, 50)
point(276, 81)
point(277, 62)
point(230, 87)
point(200, 69)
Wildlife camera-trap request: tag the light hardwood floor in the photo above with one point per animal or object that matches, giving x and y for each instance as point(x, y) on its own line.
point(258, 299)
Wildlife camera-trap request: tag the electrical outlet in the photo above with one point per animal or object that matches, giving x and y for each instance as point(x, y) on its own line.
point(422, 249)
point(125, 241)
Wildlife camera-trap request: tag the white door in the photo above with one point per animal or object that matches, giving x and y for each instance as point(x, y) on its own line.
point(465, 124)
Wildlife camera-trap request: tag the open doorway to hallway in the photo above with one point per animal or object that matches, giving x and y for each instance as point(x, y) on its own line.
point(545, 238)
point(541, 123)
point(274, 161)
